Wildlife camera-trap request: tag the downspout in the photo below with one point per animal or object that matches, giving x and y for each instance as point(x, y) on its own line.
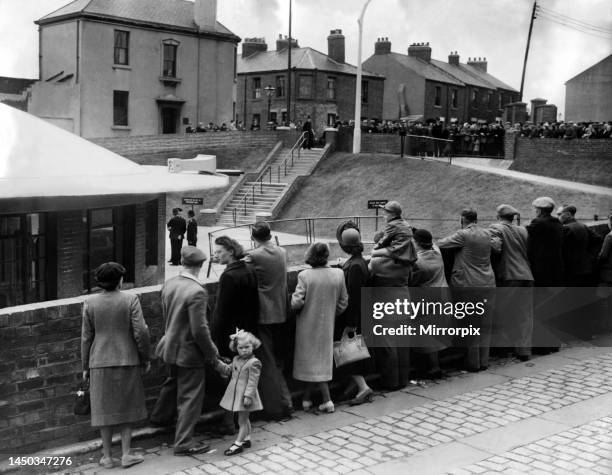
point(39, 53)
point(78, 70)
point(197, 116)
point(244, 112)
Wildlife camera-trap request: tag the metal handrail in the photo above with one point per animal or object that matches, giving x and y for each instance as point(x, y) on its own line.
point(267, 171)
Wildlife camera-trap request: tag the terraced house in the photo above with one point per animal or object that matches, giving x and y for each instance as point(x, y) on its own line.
point(134, 67)
point(417, 86)
point(322, 85)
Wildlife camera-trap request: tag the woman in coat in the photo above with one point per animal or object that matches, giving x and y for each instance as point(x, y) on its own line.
point(114, 348)
point(355, 277)
point(320, 295)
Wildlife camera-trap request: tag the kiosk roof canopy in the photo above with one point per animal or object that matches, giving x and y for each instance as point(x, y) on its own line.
point(38, 159)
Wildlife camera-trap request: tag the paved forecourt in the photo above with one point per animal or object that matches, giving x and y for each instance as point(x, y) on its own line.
point(550, 415)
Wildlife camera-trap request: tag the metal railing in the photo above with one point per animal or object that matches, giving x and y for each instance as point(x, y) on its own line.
point(242, 205)
point(297, 233)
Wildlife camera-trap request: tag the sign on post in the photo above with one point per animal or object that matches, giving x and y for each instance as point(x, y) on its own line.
point(193, 201)
point(375, 204)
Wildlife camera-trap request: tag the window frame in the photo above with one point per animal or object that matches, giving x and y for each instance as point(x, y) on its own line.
point(475, 98)
point(281, 86)
point(365, 91)
point(331, 92)
point(174, 45)
point(118, 49)
point(454, 98)
point(303, 81)
point(438, 96)
point(116, 94)
point(256, 94)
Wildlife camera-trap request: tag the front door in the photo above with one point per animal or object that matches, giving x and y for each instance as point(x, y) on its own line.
point(169, 116)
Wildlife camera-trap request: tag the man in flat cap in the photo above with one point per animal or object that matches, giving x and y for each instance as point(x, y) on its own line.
point(396, 240)
point(513, 275)
point(545, 252)
point(186, 347)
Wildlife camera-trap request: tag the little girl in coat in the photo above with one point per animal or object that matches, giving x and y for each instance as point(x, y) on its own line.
point(241, 395)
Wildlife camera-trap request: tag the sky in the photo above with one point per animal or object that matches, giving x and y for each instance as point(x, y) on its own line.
point(495, 29)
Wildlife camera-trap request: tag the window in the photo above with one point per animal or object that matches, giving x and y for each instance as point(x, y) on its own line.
point(331, 119)
point(110, 237)
point(256, 88)
point(151, 233)
point(122, 45)
point(438, 99)
point(169, 61)
point(280, 86)
point(489, 100)
point(305, 87)
point(364, 91)
point(256, 120)
point(454, 98)
point(23, 259)
point(273, 116)
point(331, 88)
point(284, 117)
point(499, 101)
point(120, 108)
point(475, 98)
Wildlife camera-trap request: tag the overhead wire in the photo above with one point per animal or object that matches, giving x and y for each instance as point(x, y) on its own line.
point(574, 21)
point(568, 22)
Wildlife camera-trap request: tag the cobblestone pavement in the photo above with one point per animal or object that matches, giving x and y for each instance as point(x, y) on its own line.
point(551, 415)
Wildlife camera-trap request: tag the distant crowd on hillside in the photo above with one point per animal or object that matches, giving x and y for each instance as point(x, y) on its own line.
point(563, 130)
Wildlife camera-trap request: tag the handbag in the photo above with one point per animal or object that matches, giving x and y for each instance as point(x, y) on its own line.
point(82, 402)
point(350, 349)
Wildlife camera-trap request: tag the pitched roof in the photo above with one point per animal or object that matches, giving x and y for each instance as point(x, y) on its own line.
point(301, 58)
point(173, 13)
point(462, 74)
point(425, 69)
point(598, 64)
point(60, 163)
point(487, 77)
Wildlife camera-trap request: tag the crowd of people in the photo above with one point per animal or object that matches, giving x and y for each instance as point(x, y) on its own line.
point(257, 317)
point(563, 130)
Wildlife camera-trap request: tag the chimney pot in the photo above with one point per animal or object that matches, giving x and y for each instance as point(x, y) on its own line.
point(335, 46)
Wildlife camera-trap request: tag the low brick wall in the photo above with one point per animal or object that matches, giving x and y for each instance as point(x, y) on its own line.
point(580, 160)
point(40, 366)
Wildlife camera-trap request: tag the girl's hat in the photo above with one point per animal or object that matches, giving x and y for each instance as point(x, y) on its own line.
point(350, 237)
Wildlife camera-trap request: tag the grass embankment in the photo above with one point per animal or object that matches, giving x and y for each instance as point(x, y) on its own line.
point(431, 193)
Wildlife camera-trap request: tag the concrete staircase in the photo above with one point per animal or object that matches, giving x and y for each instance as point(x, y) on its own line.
point(262, 195)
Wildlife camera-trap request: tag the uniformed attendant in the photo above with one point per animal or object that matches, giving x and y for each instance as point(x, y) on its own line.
point(177, 227)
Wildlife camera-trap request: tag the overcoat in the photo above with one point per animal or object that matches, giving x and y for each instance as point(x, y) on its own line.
point(545, 250)
point(320, 295)
point(245, 376)
point(269, 262)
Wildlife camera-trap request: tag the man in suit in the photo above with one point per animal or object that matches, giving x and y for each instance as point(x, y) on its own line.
point(578, 242)
point(177, 227)
point(307, 127)
point(192, 228)
point(473, 280)
point(186, 348)
point(269, 262)
point(514, 309)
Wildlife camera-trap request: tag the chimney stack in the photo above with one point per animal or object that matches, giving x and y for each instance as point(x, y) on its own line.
point(420, 50)
point(335, 46)
point(382, 46)
point(253, 45)
point(205, 14)
point(453, 58)
point(283, 43)
point(480, 63)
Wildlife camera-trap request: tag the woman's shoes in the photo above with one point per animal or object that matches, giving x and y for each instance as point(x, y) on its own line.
point(129, 460)
point(306, 405)
point(246, 443)
point(363, 396)
point(236, 448)
point(327, 407)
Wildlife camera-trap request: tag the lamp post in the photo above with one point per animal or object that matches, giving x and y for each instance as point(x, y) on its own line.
point(357, 129)
point(269, 91)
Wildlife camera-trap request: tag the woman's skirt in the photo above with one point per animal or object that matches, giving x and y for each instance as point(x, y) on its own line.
point(117, 396)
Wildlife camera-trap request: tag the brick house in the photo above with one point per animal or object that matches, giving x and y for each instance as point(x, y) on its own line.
point(137, 67)
point(67, 205)
point(322, 85)
point(418, 86)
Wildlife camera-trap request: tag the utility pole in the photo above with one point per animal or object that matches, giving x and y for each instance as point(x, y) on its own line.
point(288, 92)
point(357, 129)
point(533, 16)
